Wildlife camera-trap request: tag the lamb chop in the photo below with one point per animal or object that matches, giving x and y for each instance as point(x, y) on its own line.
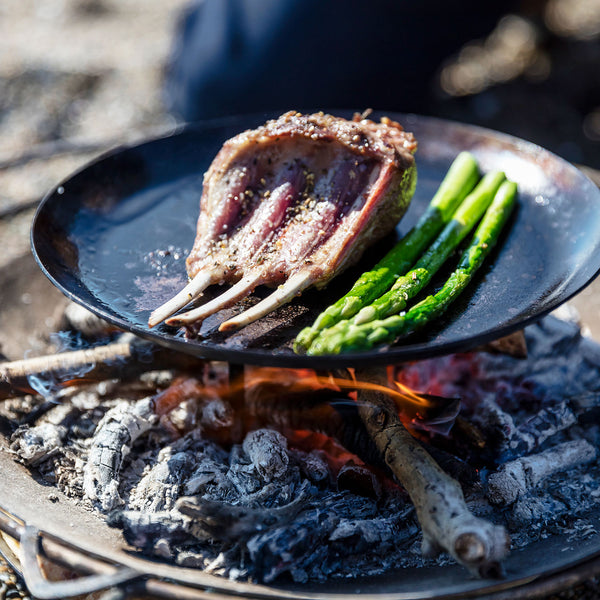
point(292, 204)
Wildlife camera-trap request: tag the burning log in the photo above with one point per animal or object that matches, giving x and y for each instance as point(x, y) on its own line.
point(124, 359)
point(517, 477)
point(445, 519)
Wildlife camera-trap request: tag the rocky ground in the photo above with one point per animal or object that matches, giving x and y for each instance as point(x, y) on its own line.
point(76, 78)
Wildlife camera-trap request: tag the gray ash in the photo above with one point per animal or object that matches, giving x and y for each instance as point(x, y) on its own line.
point(277, 500)
point(538, 418)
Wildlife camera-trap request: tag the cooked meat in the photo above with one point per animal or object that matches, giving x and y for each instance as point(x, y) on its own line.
point(292, 204)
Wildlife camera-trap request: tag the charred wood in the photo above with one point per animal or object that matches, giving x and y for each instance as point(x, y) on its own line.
point(125, 360)
point(510, 439)
point(34, 444)
point(528, 511)
point(267, 451)
point(313, 465)
point(514, 344)
point(147, 531)
point(117, 431)
point(226, 522)
point(338, 533)
point(445, 519)
point(517, 477)
point(546, 423)
point(160, 487)
point(359, 480)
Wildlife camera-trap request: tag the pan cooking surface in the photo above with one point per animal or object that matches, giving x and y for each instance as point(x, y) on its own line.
point(114, 238)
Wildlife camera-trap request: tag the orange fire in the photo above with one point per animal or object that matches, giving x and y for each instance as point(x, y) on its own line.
point(420, 411)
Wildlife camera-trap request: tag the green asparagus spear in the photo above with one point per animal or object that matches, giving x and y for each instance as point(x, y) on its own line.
point(332, 340)
point(458, 182)
point(385, 331)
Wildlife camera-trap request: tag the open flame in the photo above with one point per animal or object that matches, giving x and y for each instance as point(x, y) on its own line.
point(315, 395)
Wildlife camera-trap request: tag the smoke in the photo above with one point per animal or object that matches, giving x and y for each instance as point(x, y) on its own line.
point(48, 384)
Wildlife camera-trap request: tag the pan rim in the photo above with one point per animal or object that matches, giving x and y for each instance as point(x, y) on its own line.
point(388, 355)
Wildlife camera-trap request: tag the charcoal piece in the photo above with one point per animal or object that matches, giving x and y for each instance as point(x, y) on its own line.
point(244, 478)
point(352, 536)
point(551, 337)
point(551, 419)
point(115, 434)
point(195, 442)
point(510, 439)
point(275, 493)
point(209, 478)
point(182, 418)
point(323, 411)
point(267, 451)
point(160, 487)
point(293, 547)
point(188, 400)
point(586, 404)
point(35, 444)
point(216, 413)
point(225, 522)
point(517, 477)
point(590, 349)
point(359, 480)
point(497, 425)
point(531, 510)
point(143, 529)
point(313, 465)
point(252, 472)
point(157, 379)
point(153, 480)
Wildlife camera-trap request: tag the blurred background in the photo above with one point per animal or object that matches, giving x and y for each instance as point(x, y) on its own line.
point(78, 77)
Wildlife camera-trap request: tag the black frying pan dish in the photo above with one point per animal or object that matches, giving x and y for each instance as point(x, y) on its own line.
point(114, 238)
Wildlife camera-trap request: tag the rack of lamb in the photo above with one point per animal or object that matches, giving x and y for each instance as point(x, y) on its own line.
point(290, 205)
